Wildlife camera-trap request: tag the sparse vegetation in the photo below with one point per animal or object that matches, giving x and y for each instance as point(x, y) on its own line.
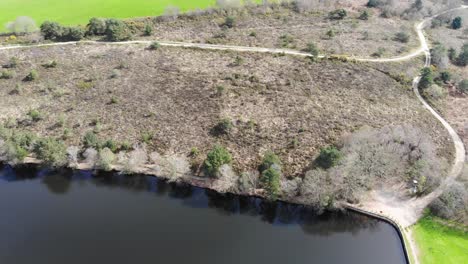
point(147, 137)
point(6, 74)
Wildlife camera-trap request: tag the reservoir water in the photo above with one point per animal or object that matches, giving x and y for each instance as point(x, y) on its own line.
point(80, 217)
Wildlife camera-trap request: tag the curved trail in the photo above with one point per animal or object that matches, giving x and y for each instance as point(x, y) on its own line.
point(403, 212)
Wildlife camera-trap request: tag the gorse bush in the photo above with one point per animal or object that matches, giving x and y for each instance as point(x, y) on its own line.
point(111, 144)
point(269, 159)
point(403, 37)
point(270, 174)
point(117, 30)
point(91, 140)
point(427, 78)
point(51, 30)
point(328, 157)
point(6, 74)
point(33, 75)
point(35, 115)
point(270, 180)
point(462, 59)
point(154, 46)
point(223, 127)
point(56, 32)
point(337, 14)
point(217, 157)
point(105, 159)
point(463, 86)
point(364, 15)
point(312, 49)
point(457, 23)
point(51, 151)
point(229, 22)
point(96, 27)
point(50, 64)
point(452, 203)
point(148, 30)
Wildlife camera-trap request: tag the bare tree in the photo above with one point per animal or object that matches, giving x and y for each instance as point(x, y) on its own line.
point(22, 24)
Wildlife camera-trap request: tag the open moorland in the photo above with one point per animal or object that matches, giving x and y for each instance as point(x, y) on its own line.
point(175, 99)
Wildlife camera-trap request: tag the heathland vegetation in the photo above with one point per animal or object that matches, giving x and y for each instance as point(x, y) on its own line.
point(193, 114)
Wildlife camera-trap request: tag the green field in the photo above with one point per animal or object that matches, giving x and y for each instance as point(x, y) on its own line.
point(440, 244)
point(74, 12)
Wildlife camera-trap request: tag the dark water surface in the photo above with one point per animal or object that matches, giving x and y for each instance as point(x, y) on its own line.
point(77, 217)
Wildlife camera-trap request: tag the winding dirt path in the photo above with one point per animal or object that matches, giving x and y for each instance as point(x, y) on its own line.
point(380, 203)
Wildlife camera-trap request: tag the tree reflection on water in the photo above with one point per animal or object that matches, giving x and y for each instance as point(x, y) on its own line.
point(279, 213)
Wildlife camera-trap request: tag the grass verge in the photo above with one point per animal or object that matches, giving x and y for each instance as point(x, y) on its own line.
point(439, 243)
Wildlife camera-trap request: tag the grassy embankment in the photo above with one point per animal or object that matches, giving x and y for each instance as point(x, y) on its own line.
point(439, 243)
point(79, 12)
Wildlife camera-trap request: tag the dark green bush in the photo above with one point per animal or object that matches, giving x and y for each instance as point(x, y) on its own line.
point(374, 3)
point(229, 22)
point(402, 37)
point(271, 182)
point(33, 75)
point(147, 137)
point(72, 34)
point(35, 115)
point(462, 59)
point(269, 159)
point(364, 15)
point(427, 78)
point(117, 30)
point(445, 76)
point(51, 151)
point(96, 26)
point(312, 49)
point(148, 30)
point(111, 144)
point(6, 74)
point(338, 14)
point(12, 63)
point(154, 46)
point(328, 157)
point(51, 30)
point(463, 86)
point(223, 127)
point(217, 157)
point(91, 140)
point(457, 23)
point(50, 64)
